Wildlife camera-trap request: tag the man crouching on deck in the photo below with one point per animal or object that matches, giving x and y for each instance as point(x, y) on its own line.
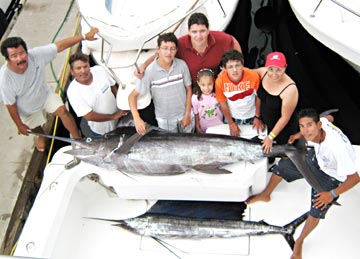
point(332, 161)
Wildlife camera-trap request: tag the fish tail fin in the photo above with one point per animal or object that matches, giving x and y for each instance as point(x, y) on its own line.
point(290, 240)
point(291, 227)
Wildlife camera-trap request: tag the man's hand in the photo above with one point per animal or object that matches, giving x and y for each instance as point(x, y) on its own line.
point(322, 200)
point(23, 129)
point(120, 113)
point(294, 137)
point(185, 121)
point(140, 125)
point(258, 125)
point(234, 129)
point(91, 34)
point(139, 72)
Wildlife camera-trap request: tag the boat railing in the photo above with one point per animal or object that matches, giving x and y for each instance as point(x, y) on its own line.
point(104, 41)
point(341, 5)
point(347, 8)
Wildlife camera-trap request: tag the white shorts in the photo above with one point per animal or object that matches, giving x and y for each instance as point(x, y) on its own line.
point(52, 103)
point(174, 126)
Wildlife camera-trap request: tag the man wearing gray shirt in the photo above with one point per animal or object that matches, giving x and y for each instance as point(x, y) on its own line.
point(23, 87)
point(168, 80)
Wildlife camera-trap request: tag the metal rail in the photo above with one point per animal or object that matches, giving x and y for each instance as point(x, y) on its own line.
point(346, 8)
point(354, 12)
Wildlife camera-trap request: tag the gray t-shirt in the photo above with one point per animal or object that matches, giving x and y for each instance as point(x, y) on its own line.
point(29, 90)
point(167, 88)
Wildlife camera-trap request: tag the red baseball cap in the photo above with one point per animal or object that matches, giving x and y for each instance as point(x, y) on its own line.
point(276, 59)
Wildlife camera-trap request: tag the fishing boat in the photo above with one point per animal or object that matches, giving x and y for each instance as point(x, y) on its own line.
point(76, 212)
point(334, 23)
point(128, 33)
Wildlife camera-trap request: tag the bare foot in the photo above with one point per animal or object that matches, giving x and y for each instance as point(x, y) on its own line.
point(258, 197)
point(41, 144)
point(297, 252)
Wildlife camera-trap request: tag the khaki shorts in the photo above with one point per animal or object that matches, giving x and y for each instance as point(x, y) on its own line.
point(52, 103)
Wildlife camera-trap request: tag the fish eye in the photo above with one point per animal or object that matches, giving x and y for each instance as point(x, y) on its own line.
point(88, 140)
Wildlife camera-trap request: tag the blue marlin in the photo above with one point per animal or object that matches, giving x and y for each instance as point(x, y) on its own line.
point(164, 153)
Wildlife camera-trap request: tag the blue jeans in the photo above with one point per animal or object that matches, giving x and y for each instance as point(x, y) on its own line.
point(287, 170)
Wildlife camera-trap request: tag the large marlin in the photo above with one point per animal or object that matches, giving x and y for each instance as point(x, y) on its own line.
point(164, 153)
point(164, 226)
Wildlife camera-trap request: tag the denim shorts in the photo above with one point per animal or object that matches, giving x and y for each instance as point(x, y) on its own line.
point(287, 170)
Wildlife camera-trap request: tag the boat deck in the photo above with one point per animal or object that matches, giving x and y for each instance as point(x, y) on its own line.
point(65, 221)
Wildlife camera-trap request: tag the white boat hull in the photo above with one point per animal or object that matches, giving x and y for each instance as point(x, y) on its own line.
point(332, 25)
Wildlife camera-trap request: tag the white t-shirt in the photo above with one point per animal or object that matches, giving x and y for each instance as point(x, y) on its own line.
point(336, 156)
point(96, 97)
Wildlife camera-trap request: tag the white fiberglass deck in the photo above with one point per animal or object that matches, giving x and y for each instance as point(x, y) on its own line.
point(61, 224)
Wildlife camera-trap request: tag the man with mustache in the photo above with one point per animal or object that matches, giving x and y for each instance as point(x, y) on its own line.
point(24, 90)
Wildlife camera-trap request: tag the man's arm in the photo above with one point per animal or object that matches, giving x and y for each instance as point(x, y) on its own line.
point(349, 183)
point(100, 117)
point(71, 41)
point(234, 128)
point(140, 73)
point(139, 123)
point(14, 114)
point(187, 118)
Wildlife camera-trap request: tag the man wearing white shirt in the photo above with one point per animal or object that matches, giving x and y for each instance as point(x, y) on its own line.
point(92, 95)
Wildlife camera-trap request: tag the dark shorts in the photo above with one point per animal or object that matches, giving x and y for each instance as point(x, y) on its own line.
point(287, 170)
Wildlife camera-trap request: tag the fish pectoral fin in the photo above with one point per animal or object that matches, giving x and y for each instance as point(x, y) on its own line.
point(130, 142)
point(211, 169)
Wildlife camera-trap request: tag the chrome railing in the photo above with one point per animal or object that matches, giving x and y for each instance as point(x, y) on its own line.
point(355, 12)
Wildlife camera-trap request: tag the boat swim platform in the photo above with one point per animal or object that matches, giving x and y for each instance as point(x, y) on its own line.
point(21, 164)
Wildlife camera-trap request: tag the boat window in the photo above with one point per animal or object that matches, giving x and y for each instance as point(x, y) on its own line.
point(108, 5)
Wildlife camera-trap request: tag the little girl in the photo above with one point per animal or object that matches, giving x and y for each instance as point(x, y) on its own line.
point(205, 107)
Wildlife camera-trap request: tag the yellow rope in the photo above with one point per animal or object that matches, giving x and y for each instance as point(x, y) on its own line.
point(62, 82)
